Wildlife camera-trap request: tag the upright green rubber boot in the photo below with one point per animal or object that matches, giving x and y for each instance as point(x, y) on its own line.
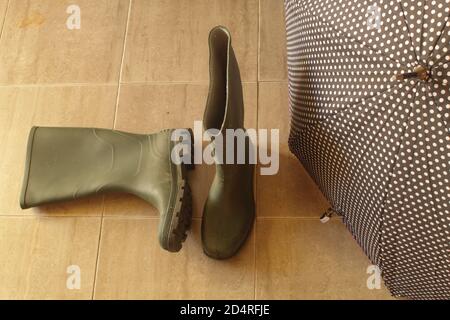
point(229, 211)
point(70, 163)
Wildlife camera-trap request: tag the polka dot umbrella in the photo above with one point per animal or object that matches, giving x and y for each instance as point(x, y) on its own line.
point(369, 99)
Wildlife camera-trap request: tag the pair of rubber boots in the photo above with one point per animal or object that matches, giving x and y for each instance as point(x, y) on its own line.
point(70, 163)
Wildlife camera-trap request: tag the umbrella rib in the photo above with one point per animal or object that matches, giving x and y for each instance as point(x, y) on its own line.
point(356, 40)
point(390, 175)
point(439, 63)
point(441, 82)
point(409, 31)
point(437, 40)
point(357, 183)
point(437, 103)
point(421, 29)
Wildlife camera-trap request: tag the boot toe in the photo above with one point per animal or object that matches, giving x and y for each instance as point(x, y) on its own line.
point(222, 238)
point(219, 249)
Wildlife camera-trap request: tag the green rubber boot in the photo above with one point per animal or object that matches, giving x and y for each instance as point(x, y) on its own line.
point(229, 211)
point(70, 163)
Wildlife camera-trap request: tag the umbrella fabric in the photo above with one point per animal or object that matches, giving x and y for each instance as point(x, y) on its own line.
point(376, 140)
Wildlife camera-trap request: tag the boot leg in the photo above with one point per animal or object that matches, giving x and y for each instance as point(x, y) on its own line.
point(69, 163)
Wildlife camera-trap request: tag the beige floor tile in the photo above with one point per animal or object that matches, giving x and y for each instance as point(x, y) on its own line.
point(305, 259)
point(168, 40)
point(272, 58)
point(36, 253)
point(38, 47)
point(23, 107)
point(295, 194)
point(150, 108)
point(133, 266)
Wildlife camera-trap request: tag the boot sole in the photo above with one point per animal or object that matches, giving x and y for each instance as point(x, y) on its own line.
point(181, 217)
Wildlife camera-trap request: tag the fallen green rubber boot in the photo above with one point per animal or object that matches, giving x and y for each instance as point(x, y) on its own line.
point(229, 211)
point(70, 163)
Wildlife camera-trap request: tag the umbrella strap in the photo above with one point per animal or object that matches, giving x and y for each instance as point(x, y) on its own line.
point(420, 72)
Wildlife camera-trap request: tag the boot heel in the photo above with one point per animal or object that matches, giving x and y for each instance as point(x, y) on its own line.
point(172, 239)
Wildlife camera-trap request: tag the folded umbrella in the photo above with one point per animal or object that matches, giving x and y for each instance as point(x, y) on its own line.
point(369, 100)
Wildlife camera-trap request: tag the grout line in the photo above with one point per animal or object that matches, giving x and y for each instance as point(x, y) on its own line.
point(176, 82)
point(2, 27)
point(110, 84)
point(273, 81)
point(137, 217)
point(121, 63)
point(98, 249)
point(141, 217)
point(55, 85)
point(114, 124)
point(255, 270)
point(48, 215)
point(60, 216)
point(258, 46)
point(120, 216)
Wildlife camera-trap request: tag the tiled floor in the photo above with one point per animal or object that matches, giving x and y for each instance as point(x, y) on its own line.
point(140, 66)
